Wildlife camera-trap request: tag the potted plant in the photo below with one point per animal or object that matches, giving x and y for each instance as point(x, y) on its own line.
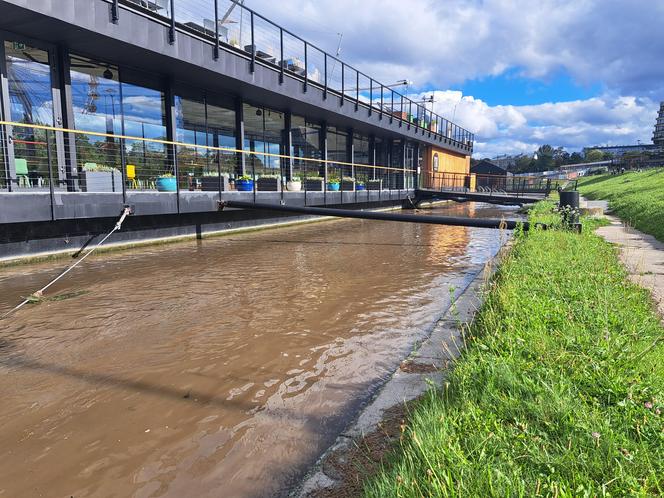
point(97, 178)
point(375, 185)
point(234, 43)
point(210, 182)
point(269, 183)
point(333, 183)
point(313, 183)
point(166, 183)
point(294, 184)
point(360, 186)
point(348, 183)
point(244, 183)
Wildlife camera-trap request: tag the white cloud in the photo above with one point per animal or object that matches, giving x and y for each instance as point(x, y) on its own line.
point(443, 43)
point(507, 129)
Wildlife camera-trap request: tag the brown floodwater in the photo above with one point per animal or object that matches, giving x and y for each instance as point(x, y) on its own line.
point(221, 367)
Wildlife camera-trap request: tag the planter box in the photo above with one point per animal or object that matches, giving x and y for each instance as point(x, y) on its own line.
point(269, 184)
point(101, 181)
point(313, 185)
point(374, 185)
point(211, 184)
point(347, 185)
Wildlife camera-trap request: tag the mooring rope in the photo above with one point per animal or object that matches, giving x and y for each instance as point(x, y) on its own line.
point(38, 294)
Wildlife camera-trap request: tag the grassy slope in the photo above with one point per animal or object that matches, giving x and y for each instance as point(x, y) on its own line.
point(637, 198)
point(552, 396)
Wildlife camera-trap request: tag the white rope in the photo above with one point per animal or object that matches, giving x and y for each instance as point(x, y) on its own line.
point(40, 292)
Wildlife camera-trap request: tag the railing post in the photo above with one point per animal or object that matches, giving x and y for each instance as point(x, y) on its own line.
point(171, 29)
point(357, 90)
point(325, 76)
point(306, 66)
point(281, 55)
point(401, 113)
point(50, 174)
point(382, 103)
point(410, 112)
point(370, 95)
point(392, 106)
point(216, 29)
point(123, 165)
point(343, 83)
point(252, 66)
point(115, 12)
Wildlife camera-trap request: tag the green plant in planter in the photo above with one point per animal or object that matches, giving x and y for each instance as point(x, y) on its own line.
point(295, 179)
point(167, 175)
point(332, 179)
point(98, 168)
point(244, 178)
point(315, 178)
point(348, 179)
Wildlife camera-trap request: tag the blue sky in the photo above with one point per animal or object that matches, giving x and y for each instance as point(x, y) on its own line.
point(518, 73)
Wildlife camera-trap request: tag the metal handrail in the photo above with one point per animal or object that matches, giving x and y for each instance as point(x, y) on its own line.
point(446, 129)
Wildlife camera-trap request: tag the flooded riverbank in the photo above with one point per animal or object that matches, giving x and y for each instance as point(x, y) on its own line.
point(220, 366)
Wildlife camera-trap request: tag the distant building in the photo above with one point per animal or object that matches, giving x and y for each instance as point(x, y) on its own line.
point(486, 167)
point(657, 138)
point(620, 150)
point(658, 134)
point(508, 162)
point(490, 175)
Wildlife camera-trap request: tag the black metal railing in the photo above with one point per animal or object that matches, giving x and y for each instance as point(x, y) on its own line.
point(230, 26)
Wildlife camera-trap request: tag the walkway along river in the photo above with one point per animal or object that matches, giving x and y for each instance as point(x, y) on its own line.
point(221, 367)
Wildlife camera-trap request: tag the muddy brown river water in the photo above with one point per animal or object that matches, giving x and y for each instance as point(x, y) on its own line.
point(221, 367)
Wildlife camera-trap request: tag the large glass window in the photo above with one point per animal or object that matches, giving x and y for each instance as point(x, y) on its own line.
point(30, 102)
point(263, 134)
point(221, 127)
point(97, 108)
point(190, 129)
point(337, 150)
point(144, 112)
point(306, 142)
point(360, 157)
point(204, 127)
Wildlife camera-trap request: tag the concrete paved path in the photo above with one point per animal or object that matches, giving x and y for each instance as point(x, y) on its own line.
point(642, 255)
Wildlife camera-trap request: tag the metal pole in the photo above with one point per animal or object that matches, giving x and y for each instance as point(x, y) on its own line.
point(171, 29)
point(281, 58)
point(373, 215)
point(115, 12)
point(216, 29)
point(325, 70)
point(253, 45)
point(50, 174)
point(306, 67)
point(343, 83)
point(370, 95)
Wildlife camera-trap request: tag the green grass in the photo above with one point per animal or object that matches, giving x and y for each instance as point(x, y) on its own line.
point(637, 198)
point(558, 393)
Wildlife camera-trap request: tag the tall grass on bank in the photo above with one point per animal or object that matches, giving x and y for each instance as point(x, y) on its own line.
point(559, 392)
point(637, 198)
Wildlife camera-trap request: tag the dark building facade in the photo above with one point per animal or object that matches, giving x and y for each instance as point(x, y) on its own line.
point(105, 103)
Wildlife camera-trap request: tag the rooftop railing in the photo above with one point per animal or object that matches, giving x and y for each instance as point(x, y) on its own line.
point(229, 26)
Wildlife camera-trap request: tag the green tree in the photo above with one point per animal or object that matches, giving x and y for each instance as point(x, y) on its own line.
point(545, 160)
point(594, 155)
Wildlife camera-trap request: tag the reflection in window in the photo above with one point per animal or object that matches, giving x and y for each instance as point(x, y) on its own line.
point(337, 150)
point(206, 127)
point(263, 134)
point(306, 138)
point(144, 112)
point(95, 91)
point(30, 102)
point(361, 156)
